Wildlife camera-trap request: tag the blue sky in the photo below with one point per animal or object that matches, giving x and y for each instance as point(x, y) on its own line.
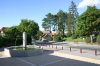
point(12, 11)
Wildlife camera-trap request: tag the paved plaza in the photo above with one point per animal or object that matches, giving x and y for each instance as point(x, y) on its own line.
point(53, 56)
point(43, 60)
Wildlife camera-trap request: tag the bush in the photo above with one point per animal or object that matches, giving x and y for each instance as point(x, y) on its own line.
point(6, 41)
point(88, 39)
point(94, 39)
point(74, 36)
point(69, 35)
point(57, 38)
point(98, 38)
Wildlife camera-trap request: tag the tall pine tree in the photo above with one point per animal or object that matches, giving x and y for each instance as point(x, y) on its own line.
point(73, 14)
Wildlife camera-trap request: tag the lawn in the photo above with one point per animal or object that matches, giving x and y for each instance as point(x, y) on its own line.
point(70, 39)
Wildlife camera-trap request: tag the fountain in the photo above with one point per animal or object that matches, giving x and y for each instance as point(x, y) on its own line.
point(22, 51)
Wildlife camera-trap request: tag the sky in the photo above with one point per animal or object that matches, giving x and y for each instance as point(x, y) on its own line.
point(12, 11)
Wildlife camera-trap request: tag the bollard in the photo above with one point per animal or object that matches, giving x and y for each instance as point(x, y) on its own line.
point(70, 49)
point(80, 50)
point(52, 46)
point(56, 46)
point(49, 45)
point(39, 46)
point(95, 52)
point(62, 47)
point(46, 45)
point(42, 48)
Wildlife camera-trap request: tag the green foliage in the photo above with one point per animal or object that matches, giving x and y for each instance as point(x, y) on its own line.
point(48, 22)
point(61, 22)
point(88, 39)
point(28, 26)
point(69, 34)
point(69, 23)
point(72, 18)
point(57, 38)
point(13, 35)
point(39, 35)
point(98, 39)
point(55, 22)
point(70, 39)
point(74, 36)
point(12, 32)
point(5, 41)
point(21, 48)
point(88, 22)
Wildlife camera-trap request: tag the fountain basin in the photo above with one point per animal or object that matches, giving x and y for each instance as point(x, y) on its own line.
point(9, 52)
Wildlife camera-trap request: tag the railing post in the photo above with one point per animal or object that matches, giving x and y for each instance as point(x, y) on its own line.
point(62, 47)
point(70, 49)
point(46, 45)
point(42, 48)
point(56, 46)
point(95, 52)
point(80, 50)
point(52, 46)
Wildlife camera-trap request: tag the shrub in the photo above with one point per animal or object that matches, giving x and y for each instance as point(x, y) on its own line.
point(69, 34)
point(6, 42)
point(74, 36)
point(57, 38)
point(88, 39)
point(98, 38)
point(94, 39)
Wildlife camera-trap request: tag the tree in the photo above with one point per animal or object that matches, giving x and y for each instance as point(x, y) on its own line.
point(61, 22)
point(48, 22)
point(72, 16)
point(55, 22)
point(69, 23)
point(29, 26)
point(89, 22)
point(39, 35)
point(13, 34)
point(45, 24)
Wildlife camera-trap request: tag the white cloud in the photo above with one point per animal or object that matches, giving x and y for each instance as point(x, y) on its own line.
point(85, 3)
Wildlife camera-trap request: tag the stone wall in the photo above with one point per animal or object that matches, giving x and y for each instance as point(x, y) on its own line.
point(21, 53)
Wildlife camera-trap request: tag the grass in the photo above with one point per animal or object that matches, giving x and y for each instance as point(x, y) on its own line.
point(70, 39)
point(20, 48)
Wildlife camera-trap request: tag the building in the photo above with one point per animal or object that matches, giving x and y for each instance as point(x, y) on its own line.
point(48, 35)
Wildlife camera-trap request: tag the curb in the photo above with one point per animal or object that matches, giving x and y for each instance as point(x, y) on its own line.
point(74, 57)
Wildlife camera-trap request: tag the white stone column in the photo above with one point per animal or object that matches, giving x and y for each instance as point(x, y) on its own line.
point(24, 39)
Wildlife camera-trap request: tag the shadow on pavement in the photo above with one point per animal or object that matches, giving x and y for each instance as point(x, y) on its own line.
point(48, 51)
point(43, 60)
point(1, 49)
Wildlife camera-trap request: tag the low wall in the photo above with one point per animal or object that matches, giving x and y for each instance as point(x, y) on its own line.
point(21, 53)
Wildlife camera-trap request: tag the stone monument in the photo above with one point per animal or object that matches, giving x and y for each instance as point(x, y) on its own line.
point(24, 39)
